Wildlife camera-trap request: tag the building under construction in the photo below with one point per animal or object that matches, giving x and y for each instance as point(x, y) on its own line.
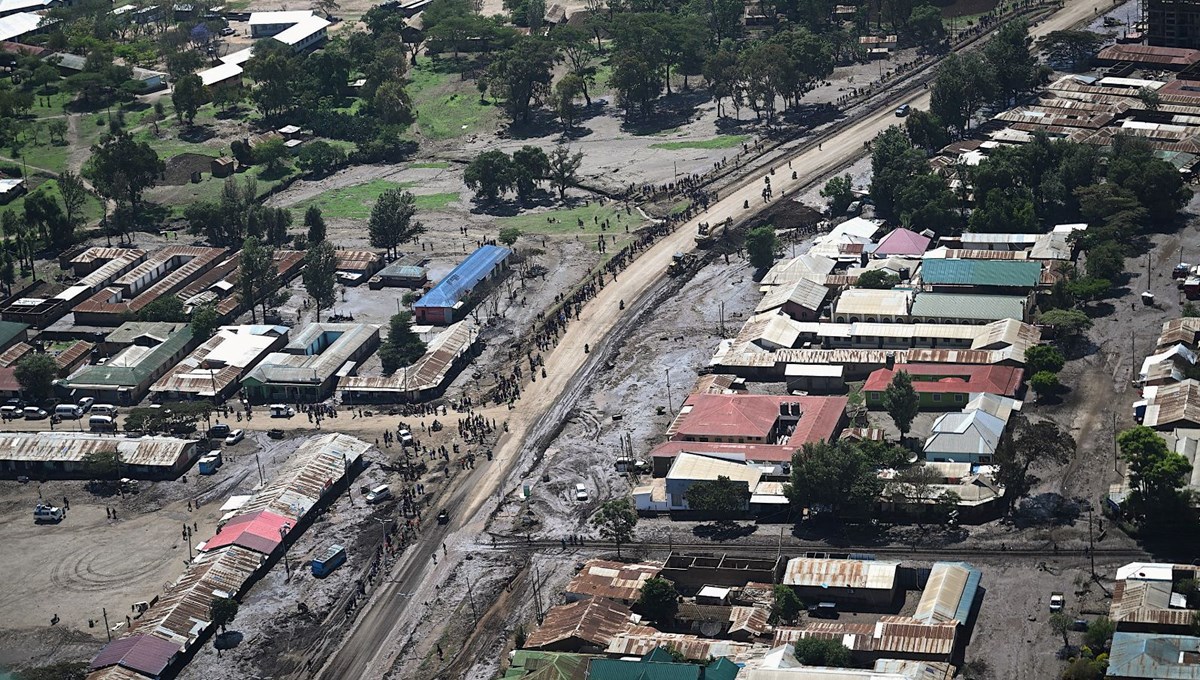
point(1173, 23)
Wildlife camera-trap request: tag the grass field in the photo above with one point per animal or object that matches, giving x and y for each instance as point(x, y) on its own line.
point(721, 142)
point(356, 202)
point(92, 211)
point(446, 106)
point(179, 197)
point(567, 220)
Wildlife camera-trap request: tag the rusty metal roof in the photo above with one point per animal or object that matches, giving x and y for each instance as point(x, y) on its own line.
point(72, 447)
point(693, 648)
point(313, 468)
point(163, 274)
point(1179, 331)
point(614, 580)
point(115, 673)
point(891, 635)
point(839, 573)
point(594, 621)
point(427, 372)
point(182, 613)
point(14, 354)
point(357, 260)
point(1146, 602)
point(71, 355)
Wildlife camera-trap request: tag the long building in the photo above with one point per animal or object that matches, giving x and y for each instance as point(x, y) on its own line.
point(165, 273)
point(64, 454)
point(215, 368)
point(426, 378)
point(308, 368)
point(446, 302)
point(126, 377)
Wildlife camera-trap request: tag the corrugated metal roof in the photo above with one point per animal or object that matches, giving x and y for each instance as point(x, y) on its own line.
point(132, 366)
point(1013, 274)
point(979, 307)
point(531, 664)
point(317, 465)
point(459, 282)
point(838, 573)
point(217, 363)
point(614, 580)
point(1154, 656)
point(949, 593)
point(14, 354)
point(143, 653)
point(165, 273)
point(71, 355)
point(261, 531)
point(72, 447)
point(357, 260)
point(594, 620)
point(639, 643)
point(891, 635)
point(427, 372)
point(182, 613)
point(870, 302)
point(296, 364)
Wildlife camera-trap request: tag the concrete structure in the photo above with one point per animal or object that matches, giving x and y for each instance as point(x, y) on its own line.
point(859, 584)
point(214, 369)
point(865, 304)
point(10, 189)
point(62, 454)
point(267, 24)
point(964, 437)
point(126, 377)
point(947, 386)
point(690, 572)
point(1145, 598)
point(447, 301)
point(164, 273)
point(308, 368)
point(690, 468)
point(400, 276)
point(758, 419)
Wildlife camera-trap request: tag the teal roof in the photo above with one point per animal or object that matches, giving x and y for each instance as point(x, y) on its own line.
point(976, 307)
point(529, 664)
point(658, 664)
point(721, 669)
point(10, 330)
point(1011, 273)
point(1153, 656)
point(121, 376)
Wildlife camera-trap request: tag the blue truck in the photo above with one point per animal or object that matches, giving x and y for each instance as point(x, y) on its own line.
point(333, 558)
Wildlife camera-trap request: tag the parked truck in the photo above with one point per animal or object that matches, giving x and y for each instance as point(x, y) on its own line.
point(333, 558)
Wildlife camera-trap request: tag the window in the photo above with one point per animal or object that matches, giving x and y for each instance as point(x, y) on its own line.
point(937, 397)
point(958, 398)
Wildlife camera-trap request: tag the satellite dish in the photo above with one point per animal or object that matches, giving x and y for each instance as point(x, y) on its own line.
point(710, 628)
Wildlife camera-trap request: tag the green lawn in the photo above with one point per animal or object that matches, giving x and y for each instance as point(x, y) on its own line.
point(721, 142)
point(52, 157)
point(446, 106)
point(434, 201)
point(54, 108)
point(179, 197)
point(434, 165)
point(92, 211)
point(356, 202)
point(567, 220)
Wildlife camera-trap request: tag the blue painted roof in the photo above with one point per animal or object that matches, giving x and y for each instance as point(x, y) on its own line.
point(1152, 655)
point(463, 278)
point(1015, 273)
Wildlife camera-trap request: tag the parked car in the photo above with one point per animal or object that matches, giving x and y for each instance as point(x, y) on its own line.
point(902, 110)
point(9, 412)
point(219, 431)
point(71, 411)
point(275, 433)
point(47, 513)
point(823, 610)
point(15, 402)
point(105, 409)
point(282, 411)
point(379, 494)
point(86, 404)
point(443, 517)
point(34, 413)
point(235, 437)
point(228, 30)
point(1056, 602)
point(581, 493)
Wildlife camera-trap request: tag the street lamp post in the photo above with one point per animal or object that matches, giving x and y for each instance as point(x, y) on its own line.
point(669, 406)
point(283, 530)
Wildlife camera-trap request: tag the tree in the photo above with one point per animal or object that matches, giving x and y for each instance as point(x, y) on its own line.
point(840, 192)
point(1099, 632)
point(320, 158)
point(659, 600)
point(1106, 261)
point(1012, 65)
point(761, 244)
point(721, 497)
point(879, 279)
point(566, 90)
point(167, 308)
point(1085, 669)
point(490, 174)
point(320, 275)
point(44, 213)
point(392, 103)
point(121, 169)
point(835, 478)
point(901, 401)
point(1044, 358)
point(522, 73)
point(616, 520)
point(223, 611)
point(276, 71)
point(1029, 444)
point(74, 196)
point(256, 274)
point(315, 223)
point(894, 162)
point(205, 321)
point(403, 346)
point(1071, 50)
point(916, 485)
point(926, 130)
point(509, 235)
point(963, 84)
point(822, 652)
point(563, 168)
point(1156, 474)
point(272, 153)
point(1157, 185)
point(1045, 383)
point(101, 464)
point(36, 373)
point(926, 27)
point(530, 166)
point(1150, 98)
point(1060, 623)
point(393, 220)
point(1068, 324)
point(187, 96)
point(787, 607)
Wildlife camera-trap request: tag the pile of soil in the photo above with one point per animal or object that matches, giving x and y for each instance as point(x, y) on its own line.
point(180, 168)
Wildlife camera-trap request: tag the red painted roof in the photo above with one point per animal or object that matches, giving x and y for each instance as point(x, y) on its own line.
point(755, 453)
point(753, 415)
point(257, 531)
point(952, 378)
point(902, 242)
point(145, 654)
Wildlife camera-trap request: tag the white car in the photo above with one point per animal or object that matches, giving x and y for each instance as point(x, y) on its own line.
point(581, 493)
point(86, 404)
point(379, 494)
point(235, 437)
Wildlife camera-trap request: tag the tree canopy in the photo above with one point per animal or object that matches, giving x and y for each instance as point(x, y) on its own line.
point(836, 478)
point(616, 520)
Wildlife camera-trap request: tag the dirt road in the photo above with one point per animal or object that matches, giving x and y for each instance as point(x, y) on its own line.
point(371, 647)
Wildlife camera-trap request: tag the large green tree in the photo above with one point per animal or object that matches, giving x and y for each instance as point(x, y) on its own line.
point(121, 169)
point(35, 373)
point(523, 73)
point(837, 477)
point(721, 497)
point(320, 275)
point(901, 401)
point(490, 174)
point(1029, 444)
point(187, 96)
point(403, 346)
point(1013, 67)
point(659, 600)
point(761, 245)
point(894, 162)
point(822, 652)
point(616, 520)
point(1157, 476)
point(963, 84)
point(393, 220)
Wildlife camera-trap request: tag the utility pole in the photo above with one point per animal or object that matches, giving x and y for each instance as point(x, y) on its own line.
point(1091, 544)
point(471, 599)
point(107, 630)
point(537, 593)
point(258, 463)
point(669, 406)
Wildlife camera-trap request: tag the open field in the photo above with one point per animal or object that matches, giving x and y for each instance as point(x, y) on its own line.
point(722, 142)
point(446, 105)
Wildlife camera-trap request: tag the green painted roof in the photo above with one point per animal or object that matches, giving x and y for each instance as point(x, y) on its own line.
point(615, 669)
point(120, 376)
point(1013, 273)
point(977, 307)
point(721, 669)
point(10, 330)
point(528, 664)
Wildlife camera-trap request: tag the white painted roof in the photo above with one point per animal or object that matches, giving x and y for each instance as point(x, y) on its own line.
point(17, 25)
point(276, 18)
point(302, 30)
